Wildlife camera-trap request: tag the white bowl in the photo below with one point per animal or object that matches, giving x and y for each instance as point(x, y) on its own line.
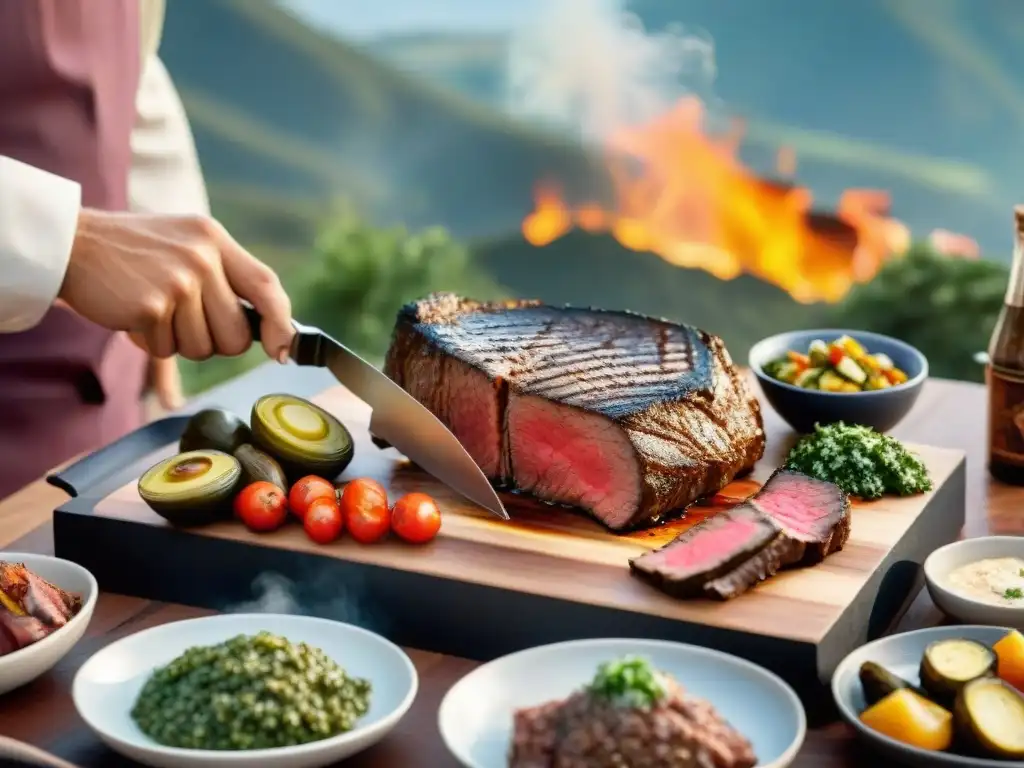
point(30, 662)
point(901, 654)
point(940, 563)
point(476, 715)
point(107, 685)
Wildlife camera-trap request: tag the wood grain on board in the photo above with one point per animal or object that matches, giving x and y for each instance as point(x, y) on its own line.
point(557, 553)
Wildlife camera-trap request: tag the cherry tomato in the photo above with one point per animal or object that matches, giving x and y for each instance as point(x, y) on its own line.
point(323, 522)
point(262, 506)
point(364, 505)
point(416, 518)
point(306, 491)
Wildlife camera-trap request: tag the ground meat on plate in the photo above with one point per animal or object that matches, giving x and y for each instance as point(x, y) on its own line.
point(586, 731)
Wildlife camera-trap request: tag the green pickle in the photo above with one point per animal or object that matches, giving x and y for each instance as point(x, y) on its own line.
point(250, 692)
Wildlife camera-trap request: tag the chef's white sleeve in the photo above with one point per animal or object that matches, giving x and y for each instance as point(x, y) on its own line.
point(166, 177)
point(38, 220)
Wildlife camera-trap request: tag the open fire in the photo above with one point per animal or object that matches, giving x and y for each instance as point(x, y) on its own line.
point(682, 192)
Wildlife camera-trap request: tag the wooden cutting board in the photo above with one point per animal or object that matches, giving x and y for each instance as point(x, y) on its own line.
point(486, 587)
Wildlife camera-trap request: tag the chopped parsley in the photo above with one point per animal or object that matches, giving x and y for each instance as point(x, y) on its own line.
point(861, 461)
point(1014, 593)
point(629, 681)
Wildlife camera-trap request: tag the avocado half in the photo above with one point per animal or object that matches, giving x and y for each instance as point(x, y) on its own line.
point(192, 488)
point(259, 466)
point(303, 437)
point(214, 429)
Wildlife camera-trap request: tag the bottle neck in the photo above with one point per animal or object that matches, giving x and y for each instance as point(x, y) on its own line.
point(1015, 288)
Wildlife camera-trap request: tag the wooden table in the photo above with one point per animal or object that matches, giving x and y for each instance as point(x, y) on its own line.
point(948, 414)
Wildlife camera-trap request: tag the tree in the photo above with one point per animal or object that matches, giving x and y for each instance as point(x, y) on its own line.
point(360, 276)
point(945, 306)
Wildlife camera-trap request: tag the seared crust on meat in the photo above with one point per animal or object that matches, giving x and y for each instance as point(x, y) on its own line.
point(660, 404)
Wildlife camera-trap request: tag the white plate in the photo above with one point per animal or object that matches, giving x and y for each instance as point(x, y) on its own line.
point(901, 655)
point(476, 715)
point(107, 685)
point(30, 662)
point(945, 560)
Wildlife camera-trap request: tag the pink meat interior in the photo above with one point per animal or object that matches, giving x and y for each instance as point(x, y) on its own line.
point(570, 456)
point(802, 510)
point(712, 542)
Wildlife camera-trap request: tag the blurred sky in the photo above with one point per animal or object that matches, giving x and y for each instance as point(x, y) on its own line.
point(369, 18)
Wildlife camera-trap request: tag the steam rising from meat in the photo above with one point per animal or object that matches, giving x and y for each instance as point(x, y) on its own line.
point(590, 65)
point(313, 595)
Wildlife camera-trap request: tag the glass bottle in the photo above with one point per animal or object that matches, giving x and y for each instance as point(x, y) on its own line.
point(1004, 373)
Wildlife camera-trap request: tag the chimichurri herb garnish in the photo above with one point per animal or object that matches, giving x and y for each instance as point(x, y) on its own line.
point(629, 681)
point(1014, 593)
point(861, 461)
point(250, 692)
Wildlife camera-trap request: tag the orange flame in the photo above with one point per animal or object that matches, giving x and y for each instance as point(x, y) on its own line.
point(684, 194)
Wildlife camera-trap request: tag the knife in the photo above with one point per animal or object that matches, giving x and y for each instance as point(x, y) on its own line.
point(396, 417)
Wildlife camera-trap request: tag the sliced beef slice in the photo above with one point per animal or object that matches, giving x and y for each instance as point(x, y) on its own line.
point(792, 520)
point(707, 551)
point(626, 416)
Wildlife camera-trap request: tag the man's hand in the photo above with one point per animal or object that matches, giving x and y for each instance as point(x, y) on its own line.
point(173, 282)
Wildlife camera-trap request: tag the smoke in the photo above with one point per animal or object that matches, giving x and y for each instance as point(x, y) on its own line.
point(314, 596)
point(591, 66)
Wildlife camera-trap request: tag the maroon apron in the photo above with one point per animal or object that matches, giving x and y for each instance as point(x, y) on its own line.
point(69, 73)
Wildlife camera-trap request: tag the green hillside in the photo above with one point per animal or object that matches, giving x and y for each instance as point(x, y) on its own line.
point(279, 106)
point(589, 270)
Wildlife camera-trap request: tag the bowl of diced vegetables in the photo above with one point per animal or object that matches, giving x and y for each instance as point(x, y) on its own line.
point(828, 375)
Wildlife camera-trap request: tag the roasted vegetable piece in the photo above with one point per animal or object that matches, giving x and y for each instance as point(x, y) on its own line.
point(214, 429)
point(878, 682)
point(259, 466)
point(192, 488)
point(990, 718)
point(912, 719)
point(947, 665)
point(840, 366)
point(1010, 652)
point(305, 438)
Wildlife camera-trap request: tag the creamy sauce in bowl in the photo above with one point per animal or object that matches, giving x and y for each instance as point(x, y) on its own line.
point(995, 580)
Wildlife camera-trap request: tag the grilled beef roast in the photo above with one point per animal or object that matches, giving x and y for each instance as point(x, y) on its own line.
point(792, 520)
point(585, 731)
point(626, 416)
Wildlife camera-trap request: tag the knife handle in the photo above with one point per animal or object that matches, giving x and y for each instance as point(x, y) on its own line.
point(306, 348)
point(253, 318)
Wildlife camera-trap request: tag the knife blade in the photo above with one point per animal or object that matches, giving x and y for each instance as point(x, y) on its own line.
point(396, 416)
